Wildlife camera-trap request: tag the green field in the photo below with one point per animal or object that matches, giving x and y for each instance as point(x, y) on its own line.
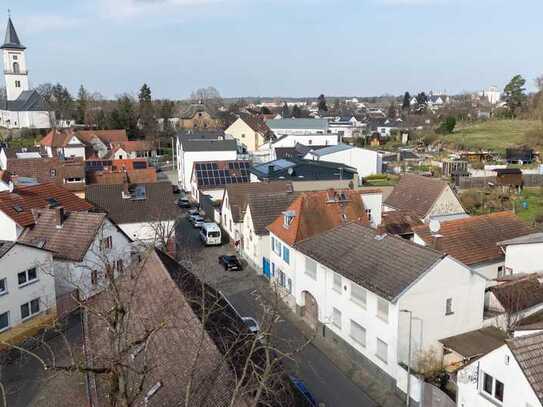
point(534, 198)
point(495, 135)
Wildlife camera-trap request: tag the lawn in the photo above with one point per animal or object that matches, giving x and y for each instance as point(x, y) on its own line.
point(534, 199)
point(494, 135)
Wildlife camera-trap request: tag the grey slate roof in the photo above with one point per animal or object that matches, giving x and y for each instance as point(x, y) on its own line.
point(330, 150)
point(158, 205)
point(266, 207)
point(28, 101)
point(209, 145)
point(475, 343)
point(300, 169)
point(528, 351)
point(311, 124)
point(527, 239)
point(11, 40)
point(385, 265)
point(5, 246)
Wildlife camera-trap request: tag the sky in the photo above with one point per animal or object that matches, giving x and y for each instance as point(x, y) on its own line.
point(296, 48)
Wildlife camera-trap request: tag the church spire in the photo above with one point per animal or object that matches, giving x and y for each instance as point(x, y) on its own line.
point(11, 40)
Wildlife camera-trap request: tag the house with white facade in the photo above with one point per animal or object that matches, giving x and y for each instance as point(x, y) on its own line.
point(27, 290)
point(191, 151)
point(430, 198)
point(145, 212)
point(523, 254)
point(211, 177)
point(310, 214)
point(23, 107)
point(283, 127)
point(474, 240)
point(262, 209)
point(508, 376)
point(63, 144)
point(307, 139)
point(362, 290)
point(366, 162)
point(85, 246)
point(16, 206)
point(234, 203)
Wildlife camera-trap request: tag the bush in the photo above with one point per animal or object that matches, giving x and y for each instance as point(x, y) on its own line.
point(447, 127)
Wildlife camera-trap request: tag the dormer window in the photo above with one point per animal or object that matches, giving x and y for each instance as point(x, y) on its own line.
point(288, 217)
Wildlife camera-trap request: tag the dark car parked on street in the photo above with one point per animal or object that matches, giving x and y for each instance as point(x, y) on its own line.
point(230, 263)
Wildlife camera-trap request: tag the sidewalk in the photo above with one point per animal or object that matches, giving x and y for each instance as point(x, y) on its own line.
point(375, 389)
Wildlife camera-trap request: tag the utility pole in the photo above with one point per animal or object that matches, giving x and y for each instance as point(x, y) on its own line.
point(408, 390)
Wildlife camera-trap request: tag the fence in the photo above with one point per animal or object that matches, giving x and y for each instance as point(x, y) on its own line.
point(67, 303)
point(530, 180)
point(435, 397)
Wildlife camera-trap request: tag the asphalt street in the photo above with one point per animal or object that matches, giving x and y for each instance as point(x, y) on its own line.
point(329, 385)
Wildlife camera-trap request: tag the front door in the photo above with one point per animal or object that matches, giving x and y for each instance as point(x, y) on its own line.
point(266, 267)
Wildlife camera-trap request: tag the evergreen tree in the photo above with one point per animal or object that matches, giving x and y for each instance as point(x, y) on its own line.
point(147, 121)
point(392, 110)
point(124, 116)
point(296, 112)
point(82, 105)
point(285, 112)
point(406, 101)
point(167, 108)
point(322, 103)
point(515, 96)
point(422, 102)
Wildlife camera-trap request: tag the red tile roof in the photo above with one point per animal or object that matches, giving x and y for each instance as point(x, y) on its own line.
point(133, 145)
point(474, 239)
point(56, 138)
point(106, 136)
point(18, 204)
point(318, 212)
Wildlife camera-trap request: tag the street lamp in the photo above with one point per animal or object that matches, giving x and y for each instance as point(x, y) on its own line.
point(407, 399)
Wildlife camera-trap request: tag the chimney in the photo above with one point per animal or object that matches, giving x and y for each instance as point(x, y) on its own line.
point(436, 242)
point(59, 216)
point(125, 192)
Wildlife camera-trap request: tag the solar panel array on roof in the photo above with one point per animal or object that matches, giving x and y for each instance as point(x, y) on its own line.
point(209, 174)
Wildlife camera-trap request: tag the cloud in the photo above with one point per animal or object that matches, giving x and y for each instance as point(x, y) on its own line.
point(47, 23)
point(412, 2)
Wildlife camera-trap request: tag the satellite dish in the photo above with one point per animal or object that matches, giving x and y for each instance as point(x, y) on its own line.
point(435, 226)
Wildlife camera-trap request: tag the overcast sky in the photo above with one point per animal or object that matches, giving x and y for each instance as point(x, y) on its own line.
point(280, 47)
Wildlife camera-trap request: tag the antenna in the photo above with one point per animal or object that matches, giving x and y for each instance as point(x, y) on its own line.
point(435, 226)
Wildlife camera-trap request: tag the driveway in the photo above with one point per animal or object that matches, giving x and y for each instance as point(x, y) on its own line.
point(327, 383)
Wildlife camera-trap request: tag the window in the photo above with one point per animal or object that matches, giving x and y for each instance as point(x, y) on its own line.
point(337, 283)
point(286, 254)
point(16, 68)
point(289, 286)
point(382, 350)
point(282, 278)
point(500, 271)
point(358, 333)
point(448, 306)
point(4, 321)
point(311, 268)
point(498, 390)
point(52, 172)
point(3, 286)
point(382, 309)
point(492, 387)
point(368, 214)
point(27, 277)
point(31, 308)
point(17, 84)
point(276, 246)
point(358, 295)
point(119, 265)
point(94, 277)
point(336, 318)
point(106, 243)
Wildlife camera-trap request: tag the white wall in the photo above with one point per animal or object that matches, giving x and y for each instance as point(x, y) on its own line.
point(327, 298)
point(446, 204)
point(366, 162)
point(374, 203)
point(308, 140)
point(524, 258)
point(70, 274)
point(12, 56)
point(9, 230)
point(289, 269)
point(143, 231)
point(427, 300)
point(255, 246)
point(501, 365)
point(18, 259)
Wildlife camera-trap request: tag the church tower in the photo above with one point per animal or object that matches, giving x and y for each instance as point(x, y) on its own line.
point(15, 72)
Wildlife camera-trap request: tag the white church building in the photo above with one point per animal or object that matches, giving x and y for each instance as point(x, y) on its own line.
point(22, 107)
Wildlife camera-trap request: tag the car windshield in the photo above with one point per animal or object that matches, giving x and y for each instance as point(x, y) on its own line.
point(230, 258)
point(250, 323)
point(213, 234)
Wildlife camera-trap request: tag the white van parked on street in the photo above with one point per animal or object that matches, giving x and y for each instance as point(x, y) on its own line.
point(210, 234)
